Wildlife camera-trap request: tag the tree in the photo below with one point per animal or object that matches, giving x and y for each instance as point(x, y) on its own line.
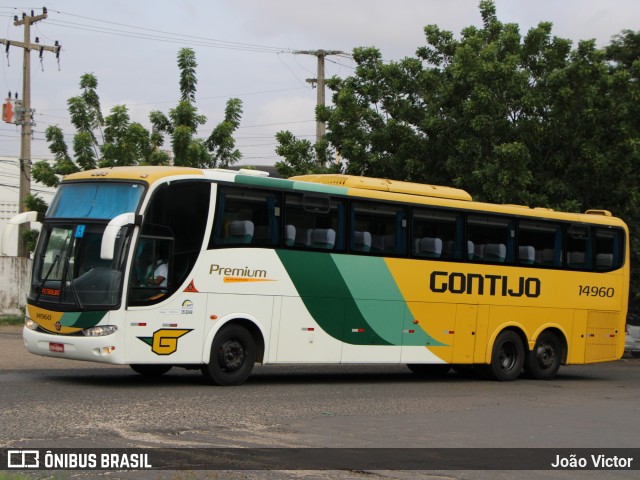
point(98, 141)
point(303, 158)
point(182, 122)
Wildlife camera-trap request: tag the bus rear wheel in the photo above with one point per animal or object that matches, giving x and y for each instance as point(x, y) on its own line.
point(233, 354)
point(151, 370)
point(543, 361)
point(507, 358)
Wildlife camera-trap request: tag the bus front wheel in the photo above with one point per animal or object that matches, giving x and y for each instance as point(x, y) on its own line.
point(233, 354)
point(507, 358)
point(543, 361)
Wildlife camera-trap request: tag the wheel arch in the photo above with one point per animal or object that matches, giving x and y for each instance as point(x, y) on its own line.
point(246, 321)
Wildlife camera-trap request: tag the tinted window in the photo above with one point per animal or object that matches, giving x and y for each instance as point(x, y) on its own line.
point(539, 243)
point(378, 228)
point(435, 234)
point(579, 247)
point(490, 239)
point(177, 214)
point(246, 217)
point(315, 222)
point(609, 251)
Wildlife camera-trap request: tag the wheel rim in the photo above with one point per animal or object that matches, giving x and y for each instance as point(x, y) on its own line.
point(508, 356)
point(545, 356)
point(231, 355)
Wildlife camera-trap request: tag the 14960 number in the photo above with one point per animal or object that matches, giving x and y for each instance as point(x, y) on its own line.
point(595, 291)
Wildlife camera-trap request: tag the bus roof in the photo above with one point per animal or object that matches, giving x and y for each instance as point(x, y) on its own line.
point(339, 184)
point(394, 186)
point(146, 173)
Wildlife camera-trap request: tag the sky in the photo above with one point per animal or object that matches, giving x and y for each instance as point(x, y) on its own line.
point(244, 49)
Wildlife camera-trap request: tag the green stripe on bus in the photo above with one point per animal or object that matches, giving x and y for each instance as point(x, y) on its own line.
point(380, 300)
point(323, 290)
point(290, 184)
point(82, 319)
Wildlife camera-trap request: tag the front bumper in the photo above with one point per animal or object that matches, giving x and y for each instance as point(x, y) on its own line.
point(107, 349)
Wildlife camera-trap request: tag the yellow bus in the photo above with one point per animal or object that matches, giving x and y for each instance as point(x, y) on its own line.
point(156, 267)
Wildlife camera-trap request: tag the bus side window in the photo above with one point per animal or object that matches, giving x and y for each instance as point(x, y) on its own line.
point(579, 252)
point(314, 222)
point(492, 237)
point(378, 229)
point(246, 217)
point(539, 243)
point(434, 234)
point(609, 251)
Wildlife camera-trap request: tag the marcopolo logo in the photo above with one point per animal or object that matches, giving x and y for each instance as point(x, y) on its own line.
point(475, 283)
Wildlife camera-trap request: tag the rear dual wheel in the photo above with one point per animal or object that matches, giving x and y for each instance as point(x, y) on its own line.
point(543, 361)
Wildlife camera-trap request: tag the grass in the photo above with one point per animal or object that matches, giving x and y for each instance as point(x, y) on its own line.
point(11, 320)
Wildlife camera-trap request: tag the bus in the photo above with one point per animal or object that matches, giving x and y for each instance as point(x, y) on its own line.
point(217, 270)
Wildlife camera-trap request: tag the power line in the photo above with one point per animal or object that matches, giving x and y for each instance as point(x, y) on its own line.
point(162, 35)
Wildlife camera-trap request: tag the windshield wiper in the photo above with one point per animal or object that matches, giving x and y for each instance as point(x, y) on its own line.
point(76, 298)
point(46, 277)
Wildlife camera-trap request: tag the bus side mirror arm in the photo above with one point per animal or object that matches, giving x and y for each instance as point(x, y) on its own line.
point(14, 222)
point(111, 232)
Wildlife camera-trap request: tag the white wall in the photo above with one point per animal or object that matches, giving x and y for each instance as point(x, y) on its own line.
point(15, 273)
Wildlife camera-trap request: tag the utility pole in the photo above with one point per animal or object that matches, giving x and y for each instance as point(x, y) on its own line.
point(25, 116)
point(319, 81)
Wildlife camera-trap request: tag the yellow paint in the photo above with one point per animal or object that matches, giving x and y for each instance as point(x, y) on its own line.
point(477, 317)
point(148, 174)
point(465, 334)
point(245, 280)
point(47, 319)
point(165, 341)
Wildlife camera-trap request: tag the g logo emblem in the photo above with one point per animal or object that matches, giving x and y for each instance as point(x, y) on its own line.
point(165, 340)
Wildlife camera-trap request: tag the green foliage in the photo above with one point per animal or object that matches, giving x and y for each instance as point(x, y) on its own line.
point(188, 81)
point(221, 142)
point(182, 123)
point(35, 204)
point(301, 157)
point(121, 143)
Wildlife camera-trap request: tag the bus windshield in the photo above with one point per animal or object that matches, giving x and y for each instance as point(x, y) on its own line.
point(68, 269)
point(95, 200)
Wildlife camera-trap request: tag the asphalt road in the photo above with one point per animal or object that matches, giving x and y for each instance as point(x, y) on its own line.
point(51, 403)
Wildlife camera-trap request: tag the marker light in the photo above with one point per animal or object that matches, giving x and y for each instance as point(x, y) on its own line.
point(100, 331)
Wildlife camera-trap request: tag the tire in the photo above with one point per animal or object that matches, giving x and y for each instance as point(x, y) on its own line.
point(635, 354)
point(151, 370)
point(233, 354)
point(430, 370)
point(507, 357)
point(544, 360)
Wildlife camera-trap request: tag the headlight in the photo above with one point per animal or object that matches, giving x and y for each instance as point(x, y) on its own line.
point(100, 331)
point(30, 324)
